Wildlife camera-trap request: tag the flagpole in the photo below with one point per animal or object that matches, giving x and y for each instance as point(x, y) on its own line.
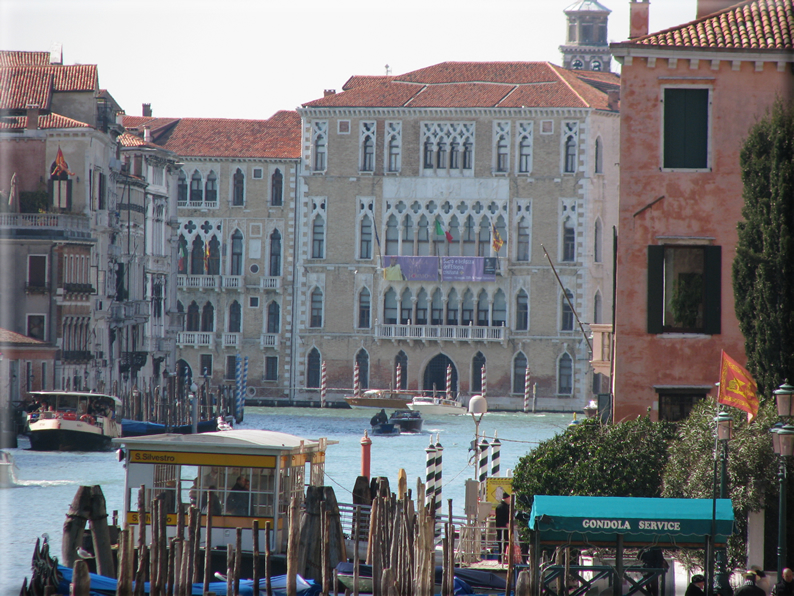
point(568, 300)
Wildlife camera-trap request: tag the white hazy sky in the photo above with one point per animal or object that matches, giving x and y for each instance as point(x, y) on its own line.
point(250, 58)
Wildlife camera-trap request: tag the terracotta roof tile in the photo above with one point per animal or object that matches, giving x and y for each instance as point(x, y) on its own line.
point(14, 58)
point(749, 25)
point(130, 140)
point(45, 121)
point(275, 138)
point(12, 337)
point(477, 84)
point(20, 87)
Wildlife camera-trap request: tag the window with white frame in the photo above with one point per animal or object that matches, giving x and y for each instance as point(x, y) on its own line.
point(522, 311)
point(316, 315)
point(566, 322)
point(524, 144)
point(523, 230)
point(448, 148)
point(565, 375)
point(367, 146)
point(271, 368)
point(393, 144)
point(570, 144)
point(318, 228)
point(501, 146)
point(364, 308)
point(568, 231)
point(365, 238)
point(319, 145)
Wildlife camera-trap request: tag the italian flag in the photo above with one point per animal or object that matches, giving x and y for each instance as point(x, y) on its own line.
point(441, 232)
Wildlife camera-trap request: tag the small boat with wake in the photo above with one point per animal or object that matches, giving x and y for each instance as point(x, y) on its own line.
point(7, 476)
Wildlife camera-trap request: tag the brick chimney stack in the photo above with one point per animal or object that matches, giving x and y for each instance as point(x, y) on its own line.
point(328, 92)
point(638, 17)
point(147, 110)
point(613, 100)
point(707, 7)
point(32, 121)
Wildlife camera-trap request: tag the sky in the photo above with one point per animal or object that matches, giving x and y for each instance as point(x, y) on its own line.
point(251, 58)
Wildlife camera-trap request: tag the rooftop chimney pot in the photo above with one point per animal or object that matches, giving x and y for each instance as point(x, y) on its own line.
point(638, 17)
point(32, 120)
point(613, 99)
point(328, 92)
point(147, 110)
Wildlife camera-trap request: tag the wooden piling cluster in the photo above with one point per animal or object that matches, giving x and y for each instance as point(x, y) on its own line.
point(169, 404)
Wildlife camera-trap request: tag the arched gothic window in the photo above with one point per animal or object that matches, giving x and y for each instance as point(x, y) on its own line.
point(275, 254)
point(313, 369)
point(276, 188)
point(235, 317)
point(565, 375)
point(237, 253)
point(362, 359)
point(519, 372)
point(238, 190)
point(208, 317)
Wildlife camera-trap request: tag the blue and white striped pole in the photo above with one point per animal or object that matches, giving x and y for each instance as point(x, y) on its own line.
point(238, 380)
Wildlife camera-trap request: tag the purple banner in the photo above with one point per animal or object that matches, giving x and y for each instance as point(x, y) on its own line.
point(468, 269)
point(397, 268)
point(404, 268)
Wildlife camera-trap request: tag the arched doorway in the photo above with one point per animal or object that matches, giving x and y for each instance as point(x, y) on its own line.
point(436, 374)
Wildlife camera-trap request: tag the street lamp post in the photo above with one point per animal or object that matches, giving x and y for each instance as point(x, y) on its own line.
point(724, 423)
point(783, 444)
point(194, 404)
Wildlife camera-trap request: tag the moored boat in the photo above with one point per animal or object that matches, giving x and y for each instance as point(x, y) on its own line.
point(391, 399)
point(7, 477)
point(72, 421)
point(138, 428)
point(436, 406)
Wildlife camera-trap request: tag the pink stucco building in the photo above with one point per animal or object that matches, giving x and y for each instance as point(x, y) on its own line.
point(689, 96)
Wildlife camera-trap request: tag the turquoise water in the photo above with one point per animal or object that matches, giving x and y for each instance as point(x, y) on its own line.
point(49, 480)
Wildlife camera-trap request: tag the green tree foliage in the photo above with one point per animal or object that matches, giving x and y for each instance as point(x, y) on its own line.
point(752, 468)
point(763, 270)
point(591, 459)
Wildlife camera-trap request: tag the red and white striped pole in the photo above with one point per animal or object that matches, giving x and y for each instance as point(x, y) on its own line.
point(449, 381)
point(399, 377)
point(526, 390)
point(323, 384)
point(356, 382)
point(484, 381)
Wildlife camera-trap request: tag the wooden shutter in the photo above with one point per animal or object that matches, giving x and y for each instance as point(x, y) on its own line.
point(686, 128)
point(655, 289)
point(712, 284)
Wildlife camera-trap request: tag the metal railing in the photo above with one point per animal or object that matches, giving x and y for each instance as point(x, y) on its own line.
point(441, 332)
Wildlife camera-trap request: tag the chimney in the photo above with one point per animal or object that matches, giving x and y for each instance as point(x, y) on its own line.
point(147, 110)
point(707, 7)
point(56, 53)
point(328, 92)
point(120, 117)
point(613, 100)
point(147, 134)
point(32, 116)
point(638, 15)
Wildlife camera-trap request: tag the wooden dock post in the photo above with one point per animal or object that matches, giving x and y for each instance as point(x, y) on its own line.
point(81, 579)
point(268, 584)
point(208, 546)
point(292, 547)
point(74, 526)
point(100, 534)
point(255, 546)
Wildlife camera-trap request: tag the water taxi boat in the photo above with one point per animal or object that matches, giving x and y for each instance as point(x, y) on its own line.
point(72, 421)
point(407, 420)
point(241, 475)
point(389, 399)
point(434, 406)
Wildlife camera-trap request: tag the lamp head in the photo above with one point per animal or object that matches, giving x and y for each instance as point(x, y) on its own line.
point(724, 426)
point(783, 399)
point(478, 405)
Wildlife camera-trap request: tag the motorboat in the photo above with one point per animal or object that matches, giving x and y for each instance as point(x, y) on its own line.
point(435, 406)
point(408, 420)
point(72, 421)
point(390, 399)
point(139, 428)
point(385, 429)
point(467, 581)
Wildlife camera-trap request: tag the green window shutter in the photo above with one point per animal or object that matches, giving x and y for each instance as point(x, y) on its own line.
point(712, 299)
point(655, 289)
point(686, 128)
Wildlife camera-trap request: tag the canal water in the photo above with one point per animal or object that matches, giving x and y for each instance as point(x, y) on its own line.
point(48, 481)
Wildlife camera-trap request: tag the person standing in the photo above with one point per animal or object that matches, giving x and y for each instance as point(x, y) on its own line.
point(748, 588)
point(696, 586)
point(502, 514)
point(785, 587)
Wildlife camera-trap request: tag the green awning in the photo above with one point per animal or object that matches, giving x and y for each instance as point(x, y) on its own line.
point(598, 520)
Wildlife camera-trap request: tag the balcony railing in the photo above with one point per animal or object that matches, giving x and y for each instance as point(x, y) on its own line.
point(231, 340)
point(440, 332)
point(271, 283)
point(210, 282)
point(136, 308)
point(73, 226)
point(195, 338)
point(73, 356)
point(72, 288)
point(269, 340)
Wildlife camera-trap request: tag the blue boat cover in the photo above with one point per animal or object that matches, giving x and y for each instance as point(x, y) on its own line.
point(106, 586)
point(663, 522)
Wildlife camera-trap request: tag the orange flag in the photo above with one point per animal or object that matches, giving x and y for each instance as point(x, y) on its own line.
point(60, 164)
point(737, 387)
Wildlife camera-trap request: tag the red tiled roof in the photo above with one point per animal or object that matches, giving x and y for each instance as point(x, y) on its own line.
point(750, 25)
point(15, 58)
point(20, 87)
point(12, 337)
point(45, 121)
point(275, 138)
point(477, 84)
point(130, 140)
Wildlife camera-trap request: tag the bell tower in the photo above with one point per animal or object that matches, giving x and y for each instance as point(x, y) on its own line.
point(586, 46)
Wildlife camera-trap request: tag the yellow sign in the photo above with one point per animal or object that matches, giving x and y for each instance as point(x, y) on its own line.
point(202, 459)
point(495, 487)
